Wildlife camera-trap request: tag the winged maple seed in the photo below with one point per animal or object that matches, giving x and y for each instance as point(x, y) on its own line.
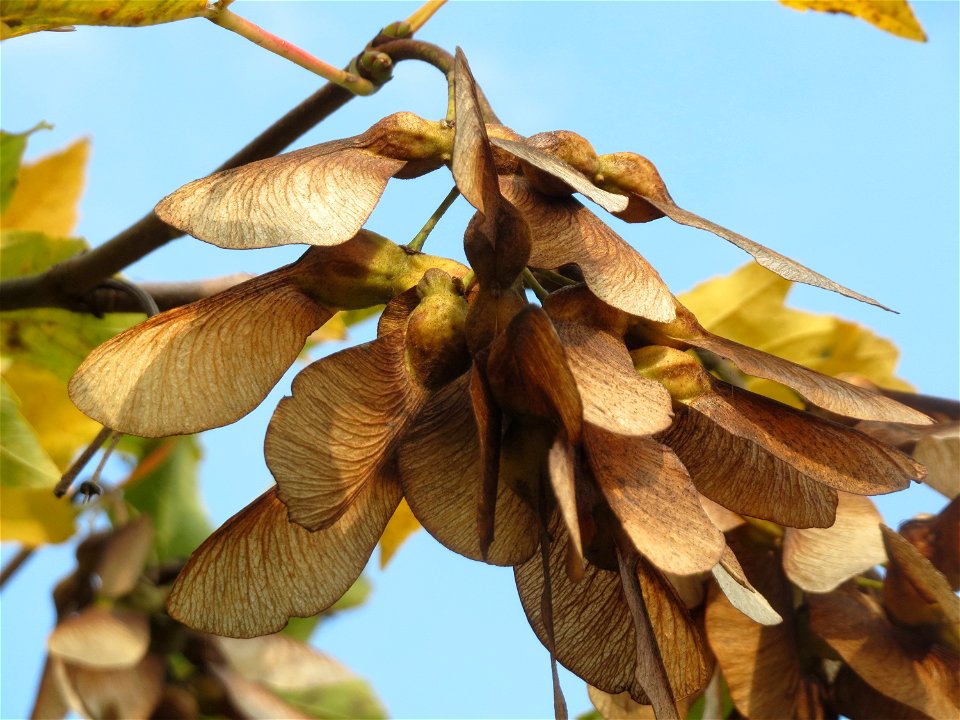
point(850, 644)
point(109, 655)
point(582, 428)
point(209, 363)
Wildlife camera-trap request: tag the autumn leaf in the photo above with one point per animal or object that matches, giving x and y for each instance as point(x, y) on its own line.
point(61, 429)
point(34, 516)
point(12, 146)
point(748, 306)
point(336, 327)
point(48, 191)
point(401, 526)
point(894, 16)
point(20, 17)
point(23, 461)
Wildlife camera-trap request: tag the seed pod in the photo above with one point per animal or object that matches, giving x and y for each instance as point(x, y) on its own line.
point(436, 346)
point(424, 144)
point(573, 149)
point(634, 175)
point(677, 371)
point(364, 271)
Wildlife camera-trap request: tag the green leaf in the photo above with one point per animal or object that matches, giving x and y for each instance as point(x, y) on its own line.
point(57, 340)
point(301, 628)
point(23, 461)
point(164, 485)
point(25, 252)
point(20, 17)
point(12, 146)
point(354, 597)
point(351, 699)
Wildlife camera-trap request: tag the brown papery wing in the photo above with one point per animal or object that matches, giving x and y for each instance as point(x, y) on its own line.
point(262, 569)
point(338, 432)
point(202, 365)
point(563, 231)
point(652, 495)
point(319, 195)
point(440, 467)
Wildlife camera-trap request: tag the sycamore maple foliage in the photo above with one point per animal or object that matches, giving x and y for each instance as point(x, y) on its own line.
point(685, 511)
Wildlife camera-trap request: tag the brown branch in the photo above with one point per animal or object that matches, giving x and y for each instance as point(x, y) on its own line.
point(167, 295)
point(16, 562)
point(68, 283)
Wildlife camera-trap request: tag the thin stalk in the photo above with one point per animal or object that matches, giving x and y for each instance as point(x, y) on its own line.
point(868, 583)
point(71, 474)
point(108, 450)
point(532, 283)
point(277, 45)
point(421, 237)
point(554, 277)
point(419, 18)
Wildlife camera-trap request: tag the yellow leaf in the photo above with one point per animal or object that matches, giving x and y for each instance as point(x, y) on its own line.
point(401, 526)
point(894, 16)
point(23, 460)
point(33, 516)
point(333, 329)
point(20, 17)
point(48, 191)
point(62, 429)
point(749, 306)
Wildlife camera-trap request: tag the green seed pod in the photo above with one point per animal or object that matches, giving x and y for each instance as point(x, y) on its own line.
point(424, 144)
point(679, 372)
point(367, 270)
point(436, 346)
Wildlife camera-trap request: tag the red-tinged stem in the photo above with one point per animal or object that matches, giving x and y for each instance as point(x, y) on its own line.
point(277, 45)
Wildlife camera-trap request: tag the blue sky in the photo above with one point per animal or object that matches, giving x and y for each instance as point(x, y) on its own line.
point(819, 136)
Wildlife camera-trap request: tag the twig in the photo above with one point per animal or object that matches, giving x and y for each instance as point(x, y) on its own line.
point(66, 284)
point(71, 474)
point(424, 13)
point(407, 49)
point(288, 51)
point(16, 562)
point(431, 223)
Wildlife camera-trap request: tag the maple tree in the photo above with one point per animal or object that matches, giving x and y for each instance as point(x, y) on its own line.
point(681, 495)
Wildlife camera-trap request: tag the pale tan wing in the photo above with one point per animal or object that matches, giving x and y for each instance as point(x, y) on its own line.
point(439, 463)
point(202, 365)
point(319, 195)
point(563, 231)
point(260, 569)
point(338, 432)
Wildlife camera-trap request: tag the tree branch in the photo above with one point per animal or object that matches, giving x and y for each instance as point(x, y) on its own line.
point(67, 284)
